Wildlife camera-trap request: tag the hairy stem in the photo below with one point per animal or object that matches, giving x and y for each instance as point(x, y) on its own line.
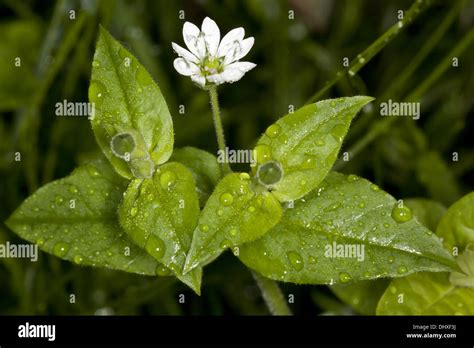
point(218, 127)
point(272, 295)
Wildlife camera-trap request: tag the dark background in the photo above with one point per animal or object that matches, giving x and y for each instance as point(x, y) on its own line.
point(295, 58)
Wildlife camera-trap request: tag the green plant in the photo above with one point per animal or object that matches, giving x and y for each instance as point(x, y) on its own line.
point(138, 209)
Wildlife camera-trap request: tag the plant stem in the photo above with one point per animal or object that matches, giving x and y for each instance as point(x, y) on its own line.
point(218, 127)
point(365, 56)
point(272, 295)
point(382, 126)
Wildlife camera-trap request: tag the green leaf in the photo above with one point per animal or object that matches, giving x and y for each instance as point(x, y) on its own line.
point(234, 214)
point(204, 166)
point(75, 218)
point(350, 213)
point(457, 225)
point(426, 211)
point(466, 264)
point(305, 144)
point(433, 172)
point(363, 296)
point(160, 213)
point(426, 294)
point(132, 123)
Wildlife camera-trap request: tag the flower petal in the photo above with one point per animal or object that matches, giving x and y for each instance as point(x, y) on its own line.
point(184, 67)
point(242, 66)
point(212, 35)
point(236, 34)
point(199, 79)
point(182, 52)
point(231, 73)
point(194, 40)
point(238, 50)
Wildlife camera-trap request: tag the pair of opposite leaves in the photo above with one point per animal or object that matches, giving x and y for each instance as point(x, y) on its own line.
point(159, 210)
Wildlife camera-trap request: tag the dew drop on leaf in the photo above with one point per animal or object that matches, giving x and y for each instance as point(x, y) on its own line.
point(96, 93)
point(352, 178)
point(204, 227)
point(401, 214)
point(296, 261)
point(251, 209)
point(162, 270)
point(226, 244)
point(73, 189)
point(273, 131)
point(78, 259)
point(60, 249)
point(344, 277)
point(155, 247)
point(133, 211)
point(167, 179)
point(402, 270)
point(226, 199)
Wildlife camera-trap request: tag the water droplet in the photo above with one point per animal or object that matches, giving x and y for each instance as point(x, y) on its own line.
point(401, 214)
point(361, 205)
point(40, 242)
point(204, 227)
point(402, 270)
point(167, 179)
point(226, 199)
point(155, 247)
point(251, 209)
point(374, 188)
point(220, 212)
point(60, 249)
point(244, 176)
point(344, 277)
point(133, 211)
point(93, 172)
point(150, 197)
point(73, 189)
point(270, 173)
point(58, 199)
point(225, 244)
point(162, 270)
point(352, 178)
point(96, 93)
point(296, 261)
point(312, 260)
point(95, 64)
point(233, 232)
point(273, 131)
point(262, 153)
point(338, 132)
point(303, 182)
point(386, 225)
point(390, 259)
point(91, 192)
point(78, 259)
point(320, 142)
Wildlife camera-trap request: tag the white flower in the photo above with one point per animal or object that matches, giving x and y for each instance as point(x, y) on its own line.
point(209, 59)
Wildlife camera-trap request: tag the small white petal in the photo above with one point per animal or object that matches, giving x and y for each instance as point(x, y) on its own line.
point(182, 52)
point(212, 35)
point(242, 66)
point(184, 67)
point(231, 73)
point(238, 50)
point(199, 79)
point(228, 40)
point(194, 40)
